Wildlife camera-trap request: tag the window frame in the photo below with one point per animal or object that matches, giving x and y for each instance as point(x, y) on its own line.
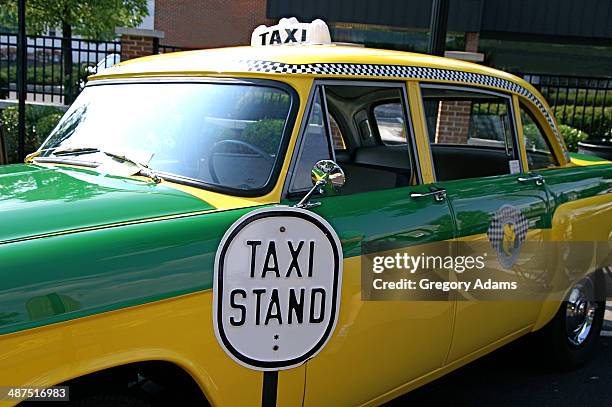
point(473, 89)
point(295, 154)
point(287, 193)
point(275, 174)
point(523, 107)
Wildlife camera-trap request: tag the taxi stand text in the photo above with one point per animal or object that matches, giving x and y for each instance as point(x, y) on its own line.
point(267, 301)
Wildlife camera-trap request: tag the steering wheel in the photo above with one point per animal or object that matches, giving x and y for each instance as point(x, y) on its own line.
point(218, 144)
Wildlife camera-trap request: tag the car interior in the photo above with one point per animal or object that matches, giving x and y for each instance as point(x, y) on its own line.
point(368, 162)
point(487, 136)
point(372, 149)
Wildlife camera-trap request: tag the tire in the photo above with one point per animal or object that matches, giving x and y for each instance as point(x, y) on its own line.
point(111, 400)
point(571, 348)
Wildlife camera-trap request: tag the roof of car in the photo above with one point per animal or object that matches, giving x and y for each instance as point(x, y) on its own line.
point(231, 60)
point(324, 61)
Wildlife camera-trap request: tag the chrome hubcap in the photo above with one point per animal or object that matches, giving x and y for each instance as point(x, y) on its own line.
point(580, 312)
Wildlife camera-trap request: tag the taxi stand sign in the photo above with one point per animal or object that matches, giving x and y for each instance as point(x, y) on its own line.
point(276, 290)
point(276, 287)
point(289, 31)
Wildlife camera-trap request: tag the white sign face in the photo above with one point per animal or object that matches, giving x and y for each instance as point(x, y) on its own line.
point(276, 289)
point(289, 31)
point(515, 166)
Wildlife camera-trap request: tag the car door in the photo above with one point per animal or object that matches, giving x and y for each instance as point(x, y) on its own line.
point(475, 155)
point(377, 346)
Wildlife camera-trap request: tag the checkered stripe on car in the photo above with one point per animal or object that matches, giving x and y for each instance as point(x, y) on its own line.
point(507, 214)
point(402, 71)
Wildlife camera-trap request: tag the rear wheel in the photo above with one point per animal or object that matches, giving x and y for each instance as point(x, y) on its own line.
point(573, 333)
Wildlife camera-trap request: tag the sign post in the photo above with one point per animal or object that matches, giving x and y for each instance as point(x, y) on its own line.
point(270, 389)
point(22, 66)
point(276, 290)
point(437, 27)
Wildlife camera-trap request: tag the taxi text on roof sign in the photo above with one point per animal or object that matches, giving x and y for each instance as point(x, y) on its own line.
point(289, 31)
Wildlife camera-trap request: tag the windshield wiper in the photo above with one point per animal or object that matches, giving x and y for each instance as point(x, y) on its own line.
point(144, 169)
point(76, 151)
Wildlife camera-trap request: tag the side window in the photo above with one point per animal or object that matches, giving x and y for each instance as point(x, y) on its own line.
point(470, 133)
point(371, 163)
point(390, 123)
point(539, 151)
point(342, 121)
point(314, 146)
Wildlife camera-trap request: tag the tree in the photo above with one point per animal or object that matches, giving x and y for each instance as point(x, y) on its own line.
point(92, 19)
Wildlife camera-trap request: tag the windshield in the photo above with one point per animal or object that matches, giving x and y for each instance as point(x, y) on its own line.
point(225, 135)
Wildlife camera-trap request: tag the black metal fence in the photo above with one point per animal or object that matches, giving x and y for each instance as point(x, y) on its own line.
point(581, 102)
point(165, 49)
point(50, 76)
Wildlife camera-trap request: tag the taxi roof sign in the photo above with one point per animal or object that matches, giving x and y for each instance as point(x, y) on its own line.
point(289, 31)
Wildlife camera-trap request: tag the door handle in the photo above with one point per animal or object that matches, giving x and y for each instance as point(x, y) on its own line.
point(438, 194)
point(535, 178)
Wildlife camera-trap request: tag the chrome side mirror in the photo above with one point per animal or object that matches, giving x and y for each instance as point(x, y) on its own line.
point(327, 178)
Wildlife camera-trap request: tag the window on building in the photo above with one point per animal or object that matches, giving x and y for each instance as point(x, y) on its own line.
point(470, 133)
point(539, 151)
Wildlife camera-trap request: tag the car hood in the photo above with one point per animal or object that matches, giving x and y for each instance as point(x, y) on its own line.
point(38, 200)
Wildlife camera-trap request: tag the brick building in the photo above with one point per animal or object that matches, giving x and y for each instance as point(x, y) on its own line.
point(208, 23)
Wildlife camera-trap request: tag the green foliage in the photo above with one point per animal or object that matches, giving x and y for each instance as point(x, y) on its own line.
point(265, 134)
point(533, 137)
point(40, 121)
point(572, 136)
point(8, 23)
point(577, 97)
point(596, 120)
point(92, 19)
point(49, 75)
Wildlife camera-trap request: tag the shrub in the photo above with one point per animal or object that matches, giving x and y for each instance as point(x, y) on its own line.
point(572, 136)
point(597, 120)
point(264, 134)
point(40, 120)
point(48, 75)
point(533, 137)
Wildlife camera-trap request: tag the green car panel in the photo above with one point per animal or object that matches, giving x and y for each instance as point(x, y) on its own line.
point(149, 261)
point(125, 266)
point(37, 295)
point(36, 200)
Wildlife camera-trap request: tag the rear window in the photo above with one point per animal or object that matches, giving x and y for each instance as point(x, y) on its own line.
point(390, 123)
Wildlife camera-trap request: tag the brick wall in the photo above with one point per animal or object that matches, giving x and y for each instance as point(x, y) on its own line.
point(134, 46)
point(471, 41)
point(453, 123)
point(138, 42)
point(209, 23)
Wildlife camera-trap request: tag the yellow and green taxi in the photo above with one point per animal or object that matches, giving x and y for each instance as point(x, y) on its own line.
point(166, 241)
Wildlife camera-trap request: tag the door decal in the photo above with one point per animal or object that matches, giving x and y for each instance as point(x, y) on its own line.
point(507, 233)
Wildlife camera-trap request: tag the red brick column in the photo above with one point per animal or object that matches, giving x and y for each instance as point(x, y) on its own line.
point(471, 41)
point(453, 123)
point(136, 42)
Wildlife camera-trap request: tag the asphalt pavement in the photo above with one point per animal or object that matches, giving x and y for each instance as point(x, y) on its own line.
point(514, 376)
